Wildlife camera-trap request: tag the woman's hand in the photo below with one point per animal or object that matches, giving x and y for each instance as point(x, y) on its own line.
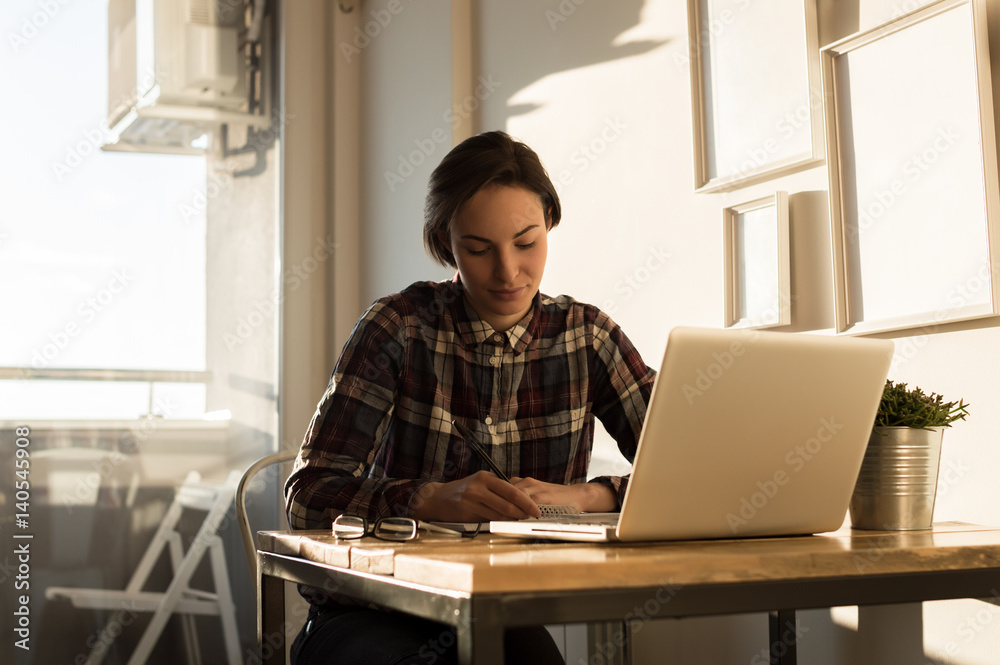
point(480, 497)
point(585, 497)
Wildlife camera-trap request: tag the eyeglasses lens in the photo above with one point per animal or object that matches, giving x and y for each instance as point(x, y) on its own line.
point(346, 527)
point(396, 528)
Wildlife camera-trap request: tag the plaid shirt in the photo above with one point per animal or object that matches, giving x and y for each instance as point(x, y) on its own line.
point(416, 360)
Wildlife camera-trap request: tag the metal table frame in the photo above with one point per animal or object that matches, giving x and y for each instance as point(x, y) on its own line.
point(480, 618)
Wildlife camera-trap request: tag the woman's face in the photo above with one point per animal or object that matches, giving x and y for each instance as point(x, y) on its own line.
point(499, 240)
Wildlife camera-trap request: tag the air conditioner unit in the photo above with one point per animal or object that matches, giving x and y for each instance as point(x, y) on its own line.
point(176, 72)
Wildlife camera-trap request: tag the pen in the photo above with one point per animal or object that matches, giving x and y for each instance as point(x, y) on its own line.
point(470, 439)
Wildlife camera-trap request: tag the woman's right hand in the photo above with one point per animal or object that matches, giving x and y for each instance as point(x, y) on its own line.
point(480, 497)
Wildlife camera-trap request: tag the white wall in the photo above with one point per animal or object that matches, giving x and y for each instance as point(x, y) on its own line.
point(604, 98)
point(406, 91)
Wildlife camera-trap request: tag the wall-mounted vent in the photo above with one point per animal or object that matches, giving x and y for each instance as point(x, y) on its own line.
point(177, 70)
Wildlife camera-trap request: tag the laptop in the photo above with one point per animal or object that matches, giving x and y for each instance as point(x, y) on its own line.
point(747, 434)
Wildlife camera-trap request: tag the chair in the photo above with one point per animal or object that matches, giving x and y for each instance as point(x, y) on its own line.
point(241, 510)
point(179, 598)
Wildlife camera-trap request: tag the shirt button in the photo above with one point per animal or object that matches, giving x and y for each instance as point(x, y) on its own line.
point(488, 420)
point(498, 337)
point(494, 361)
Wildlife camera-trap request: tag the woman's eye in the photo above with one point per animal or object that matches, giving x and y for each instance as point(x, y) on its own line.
point(526, 246)
point(477, 252)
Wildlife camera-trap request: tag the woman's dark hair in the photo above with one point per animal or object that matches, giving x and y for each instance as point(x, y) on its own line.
point(487, 159)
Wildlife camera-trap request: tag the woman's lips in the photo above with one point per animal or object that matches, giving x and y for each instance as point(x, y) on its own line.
point(508, 294)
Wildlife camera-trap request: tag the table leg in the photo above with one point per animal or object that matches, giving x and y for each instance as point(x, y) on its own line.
point(783, 634)
point(480, 642)
point(609, 642)
point(271, 619)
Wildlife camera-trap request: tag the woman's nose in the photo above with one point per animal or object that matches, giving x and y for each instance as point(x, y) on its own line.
point(506, 266)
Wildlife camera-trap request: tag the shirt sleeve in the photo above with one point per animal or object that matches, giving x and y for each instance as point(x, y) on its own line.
point(344, 435)
point(622, 385)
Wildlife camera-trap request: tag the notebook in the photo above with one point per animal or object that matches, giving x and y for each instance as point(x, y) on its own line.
point(747, 434)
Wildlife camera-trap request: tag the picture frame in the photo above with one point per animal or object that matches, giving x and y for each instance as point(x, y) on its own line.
point(757, 263)
point(914, 193)
point(756, 97)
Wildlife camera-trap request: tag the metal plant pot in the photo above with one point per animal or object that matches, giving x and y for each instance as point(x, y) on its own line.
point(898, 479)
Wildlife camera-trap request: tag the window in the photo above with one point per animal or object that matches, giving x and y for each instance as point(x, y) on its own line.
point(102, 255)
point(121, 275)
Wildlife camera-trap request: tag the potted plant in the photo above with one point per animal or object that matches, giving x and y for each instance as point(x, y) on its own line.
point(897, 483)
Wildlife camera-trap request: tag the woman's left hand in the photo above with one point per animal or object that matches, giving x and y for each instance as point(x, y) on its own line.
point(585, 497)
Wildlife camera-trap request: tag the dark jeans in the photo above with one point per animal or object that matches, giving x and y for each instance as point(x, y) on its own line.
point(355, 636)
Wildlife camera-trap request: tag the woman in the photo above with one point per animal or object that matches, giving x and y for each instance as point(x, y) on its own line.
point(526, 372)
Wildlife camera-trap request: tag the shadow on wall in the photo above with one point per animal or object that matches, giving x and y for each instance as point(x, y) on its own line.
point(837, 19)
point(552, 37)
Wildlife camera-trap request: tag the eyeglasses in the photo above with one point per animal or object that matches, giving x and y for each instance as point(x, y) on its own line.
point(348, 527)
point(398, 529)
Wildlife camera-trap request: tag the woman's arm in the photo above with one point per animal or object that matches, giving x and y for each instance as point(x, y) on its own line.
point(622, 385)
point(341, 443)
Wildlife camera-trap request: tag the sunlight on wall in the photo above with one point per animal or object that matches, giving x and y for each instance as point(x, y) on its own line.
point(603, 95)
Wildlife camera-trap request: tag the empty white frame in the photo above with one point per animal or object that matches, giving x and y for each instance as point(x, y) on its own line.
point(755, 90)
point(913, 171)
point(757, 274)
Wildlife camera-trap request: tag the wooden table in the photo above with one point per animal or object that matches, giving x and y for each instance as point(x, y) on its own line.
point(483, 585)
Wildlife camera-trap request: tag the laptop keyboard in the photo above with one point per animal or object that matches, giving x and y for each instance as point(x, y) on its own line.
point(601, 519)
point(553, 510)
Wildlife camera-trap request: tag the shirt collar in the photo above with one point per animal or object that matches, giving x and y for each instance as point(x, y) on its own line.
point(524, 330)
point(473, 330)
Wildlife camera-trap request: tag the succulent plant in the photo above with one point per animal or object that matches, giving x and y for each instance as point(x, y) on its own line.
point(912, 407)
